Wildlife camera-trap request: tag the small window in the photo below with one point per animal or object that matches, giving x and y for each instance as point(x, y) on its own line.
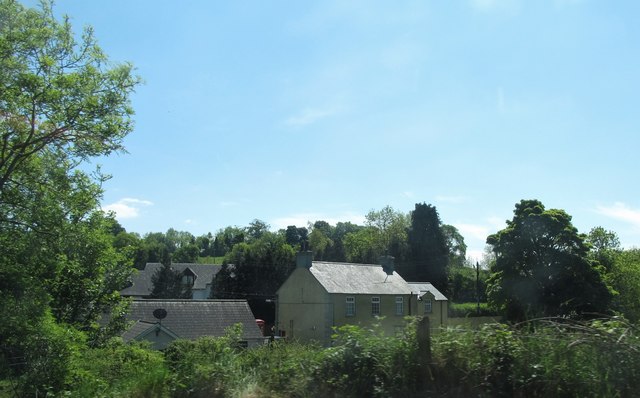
point(375, 306)
point(428, 306)
point(350, 306)
point(400, 306)
point(188, 279)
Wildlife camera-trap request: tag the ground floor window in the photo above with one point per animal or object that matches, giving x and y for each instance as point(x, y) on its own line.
point(350, 306)
point(400, 306)
point(428, 306)
point(375, 306)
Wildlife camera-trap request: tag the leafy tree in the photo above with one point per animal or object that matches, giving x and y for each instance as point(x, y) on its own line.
point(391, 230)
point(542, 268)
point(186, 254)
point(178, 239)
point(319, 242)
point(255, 269)
point(462, 285)
point(61, 102)
point(455, 246)
point(56, 92)
point(296, 237)
point(428, 248)
point(336, 252)
point(605, 245)
point(624, 277)
point(167, 284)
point(363, 246)
point(205, 245)
point(256, 229)
point(226, 238)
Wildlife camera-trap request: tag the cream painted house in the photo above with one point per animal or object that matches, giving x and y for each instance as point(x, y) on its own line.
point(319, 296)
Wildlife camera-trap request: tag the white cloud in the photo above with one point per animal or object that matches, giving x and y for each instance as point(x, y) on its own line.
point(621, 212)
point(127, 207)
point(474, 231)
point(307, 116)
point(451, 199)
point(475, 255)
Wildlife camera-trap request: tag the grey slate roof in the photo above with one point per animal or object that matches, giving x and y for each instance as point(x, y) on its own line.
point(142, 285)
point(352, 278)
point(140, 328)
point(190, 319)
point(420, 288)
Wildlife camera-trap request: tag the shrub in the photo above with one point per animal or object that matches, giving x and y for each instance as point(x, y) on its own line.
point(464, 310)
point(119, 370)
point(546, 358)
point(207, 367)
point(364, 362)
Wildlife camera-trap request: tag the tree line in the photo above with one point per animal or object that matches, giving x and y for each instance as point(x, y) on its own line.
point(255, 260)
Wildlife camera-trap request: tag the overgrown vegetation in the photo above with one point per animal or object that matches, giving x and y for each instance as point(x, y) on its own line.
point(549, 357)
point(463, 310)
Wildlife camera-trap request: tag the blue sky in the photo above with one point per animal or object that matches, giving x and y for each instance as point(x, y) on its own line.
point(300, 111)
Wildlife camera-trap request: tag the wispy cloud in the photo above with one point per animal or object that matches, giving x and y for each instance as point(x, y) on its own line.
point(479, 232)
point(500, 100)
point(621, 212)
point(127, 207)
point(451, 199)
point(308, 116)
point(408, 194)
point(510, 6)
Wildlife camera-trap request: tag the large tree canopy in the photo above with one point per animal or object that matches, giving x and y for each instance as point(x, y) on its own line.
point(61, 102)
point(542, 268)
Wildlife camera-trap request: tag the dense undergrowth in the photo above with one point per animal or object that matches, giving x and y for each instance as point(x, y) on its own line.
point(559, 358)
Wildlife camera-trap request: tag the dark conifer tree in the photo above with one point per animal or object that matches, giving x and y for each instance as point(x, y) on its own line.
point(428, 252)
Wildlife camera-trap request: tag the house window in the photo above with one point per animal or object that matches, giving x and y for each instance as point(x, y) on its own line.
point(400, 306)
point(188, 279)
point(428, 306)
point(350, 306)
point(375, 306)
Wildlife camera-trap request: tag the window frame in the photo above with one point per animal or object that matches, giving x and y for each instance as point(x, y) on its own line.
point(375, 306)
point(350, 306)
point(399, 305)
point(428, 306)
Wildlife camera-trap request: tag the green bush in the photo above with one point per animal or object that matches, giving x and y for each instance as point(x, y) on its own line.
point(559, 358)
point(207, 367)
point(464, 310)
point(282, 369)
point(119, 370)
point(364, 362)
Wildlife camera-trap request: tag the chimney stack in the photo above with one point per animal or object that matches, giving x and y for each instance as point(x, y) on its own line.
point(304, 259)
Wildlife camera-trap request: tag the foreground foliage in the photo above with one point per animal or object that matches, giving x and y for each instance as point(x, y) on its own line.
point(542, 358)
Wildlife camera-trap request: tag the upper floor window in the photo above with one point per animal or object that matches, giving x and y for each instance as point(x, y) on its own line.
point(350, 306)
point(188, 279)
point(428, 306)
point(399, 305)
point(375, 306)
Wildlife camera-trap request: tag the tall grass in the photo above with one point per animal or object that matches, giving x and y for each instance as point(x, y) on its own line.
point(558, 358)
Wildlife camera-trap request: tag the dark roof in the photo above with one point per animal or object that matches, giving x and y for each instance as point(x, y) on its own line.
point(190, 319)
point(142, 285)
point(142, 328)
point(352, 278)
point(420, 288)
